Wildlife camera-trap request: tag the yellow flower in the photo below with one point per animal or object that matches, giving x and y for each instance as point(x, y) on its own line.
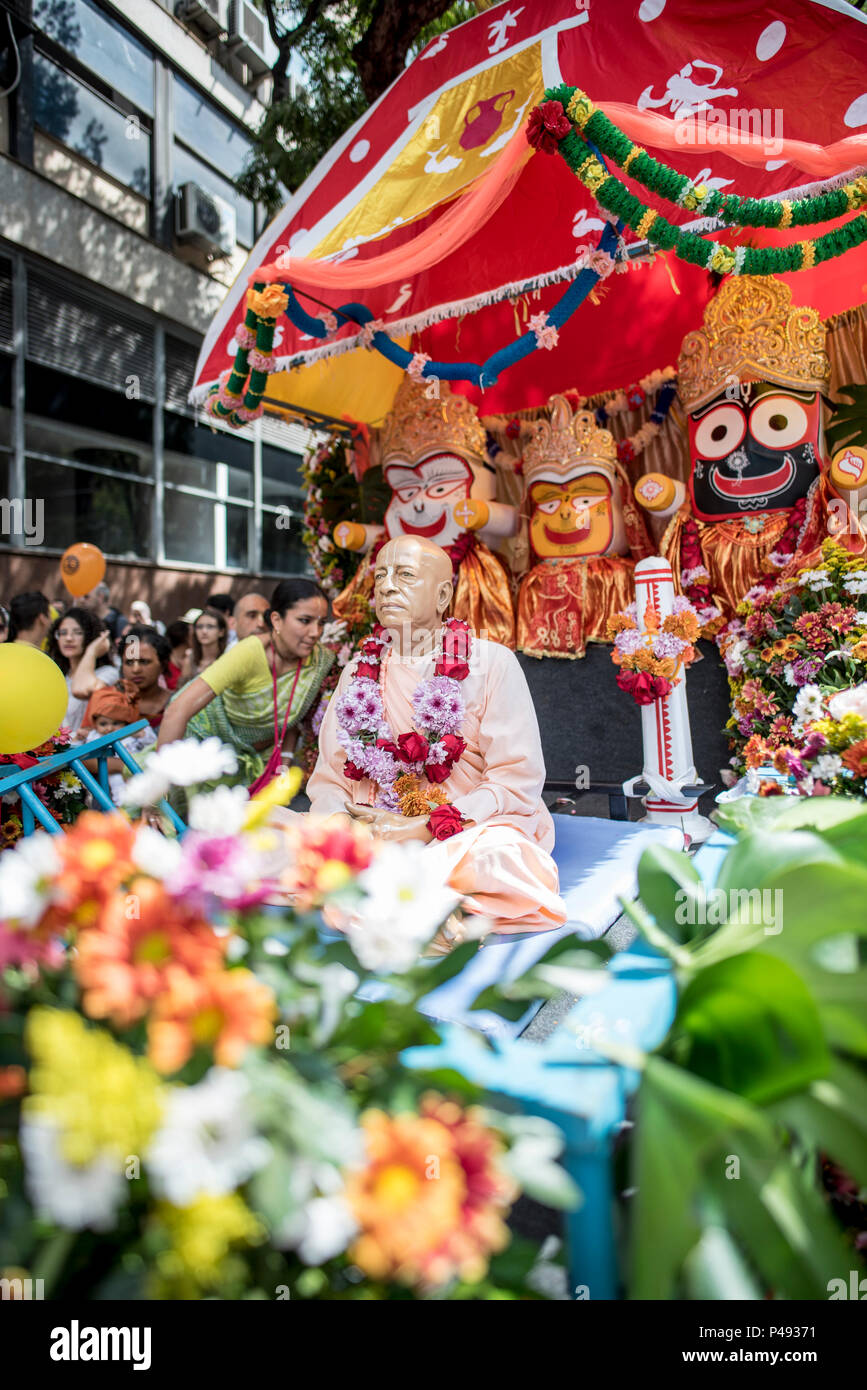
point(202, 1236)
point(580, 108)
point(269, 303)
point(278, 792)
point(103, 1096)
point(723, 260)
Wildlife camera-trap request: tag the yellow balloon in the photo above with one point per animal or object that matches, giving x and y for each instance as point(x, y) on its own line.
point(33, 697)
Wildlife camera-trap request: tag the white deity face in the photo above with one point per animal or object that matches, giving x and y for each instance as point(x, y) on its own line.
point(423, 496)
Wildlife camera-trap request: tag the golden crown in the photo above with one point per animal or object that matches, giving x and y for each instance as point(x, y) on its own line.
point(752, 330)
point(421, 422)
point(560, 444)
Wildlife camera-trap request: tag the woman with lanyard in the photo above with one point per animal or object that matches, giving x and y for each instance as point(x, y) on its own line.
point(254, 696)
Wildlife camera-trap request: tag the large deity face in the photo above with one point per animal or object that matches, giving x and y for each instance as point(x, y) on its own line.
point(757, 452)
point(423, 495)
point(573, 518)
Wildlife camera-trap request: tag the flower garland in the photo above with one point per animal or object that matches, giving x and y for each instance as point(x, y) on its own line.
point(331, 495)
point(397, 766)
point(831, 201)
point(651, 661)
point(61, 791)
point(634, 397)
point(230, 402)
point(566, 123)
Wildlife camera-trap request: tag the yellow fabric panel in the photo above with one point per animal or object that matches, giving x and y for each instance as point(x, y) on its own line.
point(361, 385)
point(433, 166)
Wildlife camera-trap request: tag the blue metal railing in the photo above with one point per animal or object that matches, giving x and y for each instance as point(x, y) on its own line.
point(108, 746)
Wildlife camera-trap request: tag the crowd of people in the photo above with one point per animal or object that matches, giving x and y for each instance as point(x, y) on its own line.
point(247, 669)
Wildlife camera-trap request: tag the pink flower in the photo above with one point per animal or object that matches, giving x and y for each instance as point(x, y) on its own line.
point(417, 365)
point(365, 337)
point(330, 321)
point(547, 335)
point(601, 263)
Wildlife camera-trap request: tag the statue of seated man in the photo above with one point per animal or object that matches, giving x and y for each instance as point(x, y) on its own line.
point(431, 735)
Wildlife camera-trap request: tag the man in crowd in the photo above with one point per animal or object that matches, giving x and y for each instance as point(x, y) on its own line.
point(224, 604)
point(29, 618)
point(249, 616)
point(99, 602)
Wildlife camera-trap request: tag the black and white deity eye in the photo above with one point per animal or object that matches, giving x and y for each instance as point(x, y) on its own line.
point(720, 431)
point(779, 422)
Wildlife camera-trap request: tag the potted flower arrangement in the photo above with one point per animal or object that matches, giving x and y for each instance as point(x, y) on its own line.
point(791, 653)
point(198, 1096)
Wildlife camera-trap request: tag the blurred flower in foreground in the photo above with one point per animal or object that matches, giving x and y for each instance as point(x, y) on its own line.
point(431, 1200)
point(324, 859)
point(92, 1104)
point(207, 1144)
point(226, 1011)
point(406, 900)
point(185, 763)
point(201, 1236)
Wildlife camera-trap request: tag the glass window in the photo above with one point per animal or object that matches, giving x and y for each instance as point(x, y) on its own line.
point(67, 400)
point(206, 130)
point(189, 528)
point(87, 447)
point(73, 114)
point(237, 537)
point(204, 449)
point(189, 169)
point(112, 513)
point(105, 47)
point(5, 397)
point(5, 474)
point(281, 475)
point(283, 551)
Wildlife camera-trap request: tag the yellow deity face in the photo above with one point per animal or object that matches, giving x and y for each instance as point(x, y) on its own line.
point(571, 518)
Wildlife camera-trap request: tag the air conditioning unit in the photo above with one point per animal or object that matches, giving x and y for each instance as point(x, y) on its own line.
point(209, 16)
point(249, 39)
point(204, 220)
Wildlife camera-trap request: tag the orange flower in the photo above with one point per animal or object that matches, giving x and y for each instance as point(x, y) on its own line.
point(855, 758)
point(684, 625)
point(620, 622)
point(431, 1199)
point(13, 1082)
point(324, 858)
point(268, 303)
point(756, 751)
point(227, 1011)
point(121, 961)
point(651, 619)
point(96, 855)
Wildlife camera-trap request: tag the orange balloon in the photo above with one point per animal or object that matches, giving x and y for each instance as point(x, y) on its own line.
point(82, 567)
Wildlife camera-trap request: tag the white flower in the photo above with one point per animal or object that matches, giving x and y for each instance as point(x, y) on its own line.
point(330, 1227)
point(816, 579)
point(406, 900)
point(207, 1142)
point(734, 656)
point(25, 872)
point(808, 703)
point(861, 617)
point(789, 673)
point(220, 812)
point(332, 632)
point(856, 584)
point(185, 763)
point(155, 854)
point(851, 701)
point(827, 766)
point(69, 1194)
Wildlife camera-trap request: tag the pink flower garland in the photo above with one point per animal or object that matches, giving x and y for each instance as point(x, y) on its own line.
point(438, 708)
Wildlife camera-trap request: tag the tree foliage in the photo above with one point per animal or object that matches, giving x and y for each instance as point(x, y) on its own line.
point(349, 54)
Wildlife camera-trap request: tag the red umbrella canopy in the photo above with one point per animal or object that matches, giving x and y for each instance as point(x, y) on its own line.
point(796, 71)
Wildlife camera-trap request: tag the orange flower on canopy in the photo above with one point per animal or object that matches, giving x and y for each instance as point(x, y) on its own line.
point(324, 858)
point(227, 1011)
point(96, 855)
point(855, 758)
point(121, 961)
point(430, 1200)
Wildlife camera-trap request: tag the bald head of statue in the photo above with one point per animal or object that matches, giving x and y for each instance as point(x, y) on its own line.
point(413, 588)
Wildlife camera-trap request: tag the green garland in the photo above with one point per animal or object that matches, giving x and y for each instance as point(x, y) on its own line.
point(588, 123)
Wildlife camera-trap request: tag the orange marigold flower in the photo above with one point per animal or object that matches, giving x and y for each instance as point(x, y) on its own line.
point(756, 751)
point(431, 1199)
point(685, 625)
point(96, 854)
point(620, 622)
point(855, 758)
point(227, 1011)
point(121, 961)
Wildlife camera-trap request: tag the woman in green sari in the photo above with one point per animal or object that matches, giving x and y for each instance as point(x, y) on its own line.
point(234, 699)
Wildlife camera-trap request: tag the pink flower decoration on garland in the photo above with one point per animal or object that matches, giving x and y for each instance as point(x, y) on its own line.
point(417, 365)
point(365, 337)
point(245, 337)
point(330, 321)
point(601, 263)
point(547, 335)
point(261, 361)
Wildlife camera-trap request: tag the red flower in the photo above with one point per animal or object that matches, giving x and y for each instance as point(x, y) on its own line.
point(635, 397)
point(413, 748)
point(389, 746)
point(437, 772)
point(450, 666)
point(547, 126)
point(513, 429)
point(642, 686)
point(454, 746)
point(371, 649)
point(364, 668)
point(355, 774)
point(445, 821)
point(626, 451)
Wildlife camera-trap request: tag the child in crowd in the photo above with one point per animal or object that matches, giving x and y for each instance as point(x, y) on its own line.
point(109, 709)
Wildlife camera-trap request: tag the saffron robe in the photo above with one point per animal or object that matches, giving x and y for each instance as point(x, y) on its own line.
point(501, 863)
